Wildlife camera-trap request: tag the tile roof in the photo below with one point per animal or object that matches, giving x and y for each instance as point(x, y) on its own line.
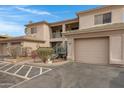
point(22, 38)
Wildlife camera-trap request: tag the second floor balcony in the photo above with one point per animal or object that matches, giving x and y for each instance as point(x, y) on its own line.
point(56, 35)
point(72, 26)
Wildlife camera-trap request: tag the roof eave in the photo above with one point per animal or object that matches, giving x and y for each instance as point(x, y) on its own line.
point(119, 26)
point(89, 10)
point(20, 40)
point(42, 22)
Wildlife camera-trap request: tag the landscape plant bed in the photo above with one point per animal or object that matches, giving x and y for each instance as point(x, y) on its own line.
point(53, 61)
point(19, 59)
point(40, 64)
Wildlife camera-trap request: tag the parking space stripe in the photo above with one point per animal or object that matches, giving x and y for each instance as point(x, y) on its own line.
point(28, 71)
point(19, 69)
point(4, 66)
point(41, 70)
point(10, 68)
point(14, 75)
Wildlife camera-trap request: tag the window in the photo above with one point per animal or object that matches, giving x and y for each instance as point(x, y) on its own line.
point(33, 30)
point(98, 19)
point(107, 18)
point(103, 18)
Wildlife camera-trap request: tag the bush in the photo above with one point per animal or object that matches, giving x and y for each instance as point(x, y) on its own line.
point(34, 55)
point(44, 53)
point(15, 51)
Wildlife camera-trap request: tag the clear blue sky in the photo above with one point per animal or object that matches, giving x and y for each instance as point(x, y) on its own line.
point(13, 18)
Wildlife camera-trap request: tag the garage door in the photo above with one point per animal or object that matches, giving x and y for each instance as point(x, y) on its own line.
point(92, 50)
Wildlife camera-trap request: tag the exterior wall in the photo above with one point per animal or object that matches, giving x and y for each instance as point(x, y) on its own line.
point(43, 33)
point(87, 20)
point(4, 48)
point(63, 38)
point(33, 45)
point(46, 35)
point(36, 35)
point(116, 45)
point(116, 49)
point(71, 49)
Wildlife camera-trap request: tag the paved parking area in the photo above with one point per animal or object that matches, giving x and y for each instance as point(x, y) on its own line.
point(26, 72)
point(79, 75)
point(23, 71)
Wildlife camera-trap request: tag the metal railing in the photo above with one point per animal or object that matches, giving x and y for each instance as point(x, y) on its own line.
point(57, 35)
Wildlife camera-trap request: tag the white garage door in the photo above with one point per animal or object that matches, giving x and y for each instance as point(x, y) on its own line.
point(92, 50)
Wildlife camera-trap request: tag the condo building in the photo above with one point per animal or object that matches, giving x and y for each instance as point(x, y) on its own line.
point(96, 36)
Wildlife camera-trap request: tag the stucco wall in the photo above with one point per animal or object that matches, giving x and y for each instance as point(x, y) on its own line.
point(87, 20)
point(43, 33)
point(46, 35)
point(116, 49)
point(116, 45)
point(33, 45)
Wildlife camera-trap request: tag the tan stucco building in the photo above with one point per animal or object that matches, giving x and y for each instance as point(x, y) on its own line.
point(96, 36)
point(100, 38)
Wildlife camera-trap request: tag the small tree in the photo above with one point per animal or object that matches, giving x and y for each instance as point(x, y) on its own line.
point(44, 53)
point(15, 51)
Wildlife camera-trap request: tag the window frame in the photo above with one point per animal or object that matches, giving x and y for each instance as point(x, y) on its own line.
point(103, 18)
point(107, 20)
point(33, 30)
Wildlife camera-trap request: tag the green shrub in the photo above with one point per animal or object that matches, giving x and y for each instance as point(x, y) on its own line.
point(15, 51)
point(44, 53)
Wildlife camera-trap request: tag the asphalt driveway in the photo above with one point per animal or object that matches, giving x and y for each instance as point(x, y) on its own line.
point(78, 75)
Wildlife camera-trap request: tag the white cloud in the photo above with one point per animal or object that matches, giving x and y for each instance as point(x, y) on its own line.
point(35, 11)
point(62, 12)
point(11, 28)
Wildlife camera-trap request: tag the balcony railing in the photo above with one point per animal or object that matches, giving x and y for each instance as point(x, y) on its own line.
point(72, 30)
point(57, 35)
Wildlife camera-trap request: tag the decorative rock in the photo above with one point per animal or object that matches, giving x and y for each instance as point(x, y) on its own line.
point(49, 61)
